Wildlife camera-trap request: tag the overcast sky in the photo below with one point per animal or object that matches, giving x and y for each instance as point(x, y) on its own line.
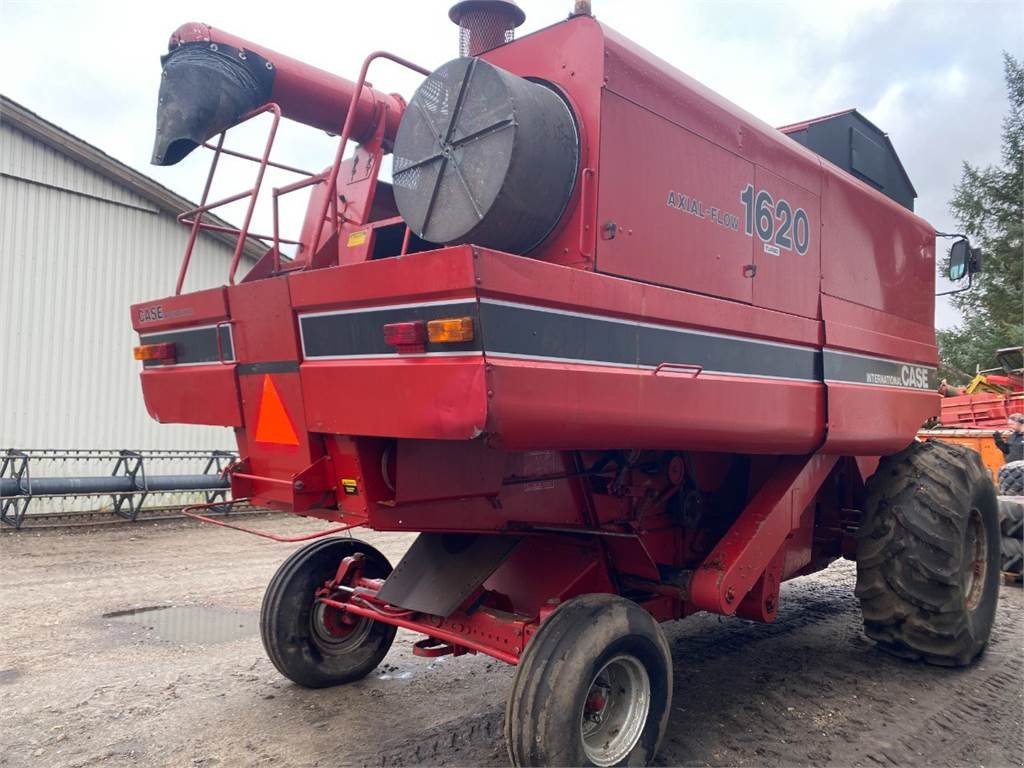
point(928, 73)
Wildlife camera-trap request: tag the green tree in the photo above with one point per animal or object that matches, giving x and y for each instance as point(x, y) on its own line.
point(988, 204)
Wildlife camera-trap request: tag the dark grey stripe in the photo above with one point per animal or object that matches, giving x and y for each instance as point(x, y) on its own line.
point(277, 366)
point(862, 369)
point(519, 330)
point(192, 345)
point(362, 333)
point(538, 332)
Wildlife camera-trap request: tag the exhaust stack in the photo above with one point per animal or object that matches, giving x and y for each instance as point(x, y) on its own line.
point(212, 79)
point(485, 24)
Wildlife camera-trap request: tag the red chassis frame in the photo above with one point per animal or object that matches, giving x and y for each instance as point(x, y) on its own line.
point(795, 522)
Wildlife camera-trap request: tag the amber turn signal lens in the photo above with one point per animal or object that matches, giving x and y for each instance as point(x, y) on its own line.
point(450, 330)
point(155, 352)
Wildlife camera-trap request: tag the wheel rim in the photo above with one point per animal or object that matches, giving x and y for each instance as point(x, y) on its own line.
point(615, 710)
point(334, 635)
point(975, 559)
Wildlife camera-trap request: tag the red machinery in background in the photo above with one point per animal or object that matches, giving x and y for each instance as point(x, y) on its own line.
point(970, 415)
point(990, 397)
point(620, 351)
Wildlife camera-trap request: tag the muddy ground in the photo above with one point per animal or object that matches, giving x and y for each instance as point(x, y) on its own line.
point(78, 689)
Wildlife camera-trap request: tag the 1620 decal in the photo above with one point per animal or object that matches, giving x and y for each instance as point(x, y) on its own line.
point(776, 222)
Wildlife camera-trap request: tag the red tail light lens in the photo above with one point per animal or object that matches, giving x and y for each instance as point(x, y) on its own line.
point(406, 337)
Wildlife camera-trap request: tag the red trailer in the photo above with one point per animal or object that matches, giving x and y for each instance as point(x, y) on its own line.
point(617, 349)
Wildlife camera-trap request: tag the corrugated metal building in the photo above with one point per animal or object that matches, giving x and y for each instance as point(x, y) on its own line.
point(82, 237)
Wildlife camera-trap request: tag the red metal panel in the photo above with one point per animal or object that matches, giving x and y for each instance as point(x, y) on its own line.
point(199, 308)
point(265, 332)
point(674, 198)
point(862, 329)
point(512, 277)
point(434, 469)
point(786, 279)
point(275, 460)
point(875, 421)
point(571, 567)
point(360, 461)
point(264, 326)
point(444, 273)
point(543, 503)
point(875, 252)
point(428, 397)
point(643, 78)
point(198, 394)
point(571, 57)
point(586, 406)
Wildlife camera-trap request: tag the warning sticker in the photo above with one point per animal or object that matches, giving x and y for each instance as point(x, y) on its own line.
point(357, 238)
point(272, 423)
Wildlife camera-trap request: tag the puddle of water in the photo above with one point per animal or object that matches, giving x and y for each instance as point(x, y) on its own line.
point(395, 676)
point(8, 675)
point(190, 623)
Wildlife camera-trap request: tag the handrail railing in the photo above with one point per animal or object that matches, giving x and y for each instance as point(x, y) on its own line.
point(329, 207)
point(194, 216)
point(346, 130)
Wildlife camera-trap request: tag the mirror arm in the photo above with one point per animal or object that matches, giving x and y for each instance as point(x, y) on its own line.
point(970, 282)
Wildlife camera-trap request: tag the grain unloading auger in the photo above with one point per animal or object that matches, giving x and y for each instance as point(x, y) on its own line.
point(620, 351)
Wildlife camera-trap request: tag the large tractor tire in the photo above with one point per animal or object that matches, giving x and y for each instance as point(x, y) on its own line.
point(594, 687)
point(1011, 516)
point(1011, 479)
point(1011, 525)
point(928, 554)
point(1013, 555)
point(312, 644)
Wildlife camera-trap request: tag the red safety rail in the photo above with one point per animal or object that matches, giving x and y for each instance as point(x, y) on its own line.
point(329, 209)
point(346, 132)
point(194, 217)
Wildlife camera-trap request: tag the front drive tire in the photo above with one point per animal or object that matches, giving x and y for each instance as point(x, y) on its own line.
point(593, 687)
point(310, 643)
point(928, 554)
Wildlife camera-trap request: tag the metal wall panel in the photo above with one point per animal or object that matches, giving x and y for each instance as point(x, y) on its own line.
point(76, 250)
point(27, 158)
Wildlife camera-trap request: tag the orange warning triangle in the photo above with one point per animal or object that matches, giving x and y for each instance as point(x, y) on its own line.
point(272, 423)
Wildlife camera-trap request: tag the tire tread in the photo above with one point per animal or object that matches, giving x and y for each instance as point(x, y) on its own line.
point(908, 552)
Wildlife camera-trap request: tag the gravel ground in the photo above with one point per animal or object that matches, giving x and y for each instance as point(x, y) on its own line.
point(81, 689)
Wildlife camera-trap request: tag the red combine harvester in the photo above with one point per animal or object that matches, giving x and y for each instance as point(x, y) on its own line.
point(618, 350)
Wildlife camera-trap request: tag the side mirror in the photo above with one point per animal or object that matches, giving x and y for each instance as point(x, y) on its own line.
point(959, 260)
point(964, 261)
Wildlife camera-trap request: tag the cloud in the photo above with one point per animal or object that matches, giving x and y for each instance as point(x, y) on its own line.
point(929, 73)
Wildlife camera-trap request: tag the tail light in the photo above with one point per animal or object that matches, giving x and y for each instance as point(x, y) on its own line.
point(406, 337)
point(450, 330)
point(412, 336)
point(163, 352)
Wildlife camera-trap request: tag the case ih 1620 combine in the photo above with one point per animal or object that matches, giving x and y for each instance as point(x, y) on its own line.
point(620, 351)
